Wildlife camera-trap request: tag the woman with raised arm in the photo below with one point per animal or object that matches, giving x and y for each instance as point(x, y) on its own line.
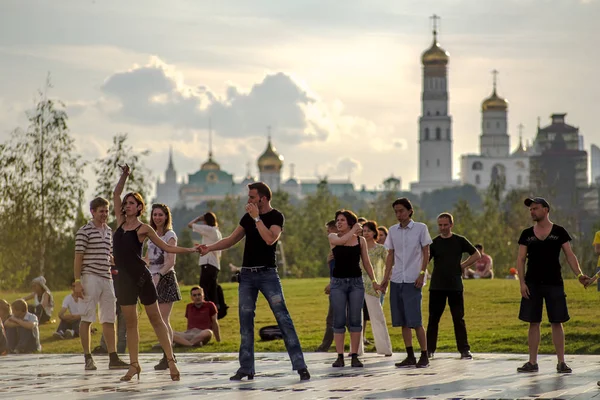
point(346, 289)
point(162, 268)
point(135, 280)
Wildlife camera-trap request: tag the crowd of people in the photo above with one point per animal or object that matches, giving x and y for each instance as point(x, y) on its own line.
point(366, 261)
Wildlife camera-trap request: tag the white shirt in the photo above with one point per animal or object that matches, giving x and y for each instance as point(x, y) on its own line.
point(407, 244)
point(29, 317)
point(210, 235)
point(75, 307)
point(156, 256)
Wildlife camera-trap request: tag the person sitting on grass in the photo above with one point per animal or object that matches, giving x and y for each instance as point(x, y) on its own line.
point(69, 322)
point(202, 321)
point(43, 300)
point(5, 310)
point(22, 331)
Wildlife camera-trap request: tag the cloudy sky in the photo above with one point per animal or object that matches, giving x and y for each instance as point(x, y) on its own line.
point(338, 81)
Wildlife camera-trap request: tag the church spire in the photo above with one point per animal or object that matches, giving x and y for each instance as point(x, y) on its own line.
point(170, 165)
point(210, 153)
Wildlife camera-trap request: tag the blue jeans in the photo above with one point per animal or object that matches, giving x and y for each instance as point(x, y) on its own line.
point(267, 282)
point(347, 293)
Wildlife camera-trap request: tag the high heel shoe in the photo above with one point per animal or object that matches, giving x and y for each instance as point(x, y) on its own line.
point(240, 375)
point(127, 377)
point(174, 376)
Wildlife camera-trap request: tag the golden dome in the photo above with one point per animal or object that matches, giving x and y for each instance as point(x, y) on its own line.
point(435, 55)
point(210, 165)
point(494, 103)
point(270, 159)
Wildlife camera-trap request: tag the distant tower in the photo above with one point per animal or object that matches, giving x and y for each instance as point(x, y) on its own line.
point(494, 140)
point(269, 165)
point(435, 124)
point(168, 192)
point(210, 164)
point(595, 164)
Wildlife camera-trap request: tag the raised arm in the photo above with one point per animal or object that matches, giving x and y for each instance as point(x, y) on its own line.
point(225, 243)
point(336, 240)
point(147, 232)
point(195, 220)
point(117, 202)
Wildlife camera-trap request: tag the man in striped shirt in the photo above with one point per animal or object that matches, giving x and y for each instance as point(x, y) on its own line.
point(93, 282)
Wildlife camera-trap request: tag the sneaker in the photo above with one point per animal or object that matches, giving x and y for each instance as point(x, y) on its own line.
point(339, 362)
point(528, 367)
point(304, 375)
point(423, 361)
point(563, 368)
point(59, 334)
point(466, 355)
point(118, 364)
point(430, 355)
point(162, 364)
point(69, 334)
point(355, 363)
point(90, 365)
point(407, 363)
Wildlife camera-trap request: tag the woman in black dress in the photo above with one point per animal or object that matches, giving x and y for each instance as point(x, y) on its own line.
point(135, 280)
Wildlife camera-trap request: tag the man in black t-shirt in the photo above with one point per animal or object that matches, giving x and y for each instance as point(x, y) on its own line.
point(262, 226)
point(541, 245)
point(447, 251)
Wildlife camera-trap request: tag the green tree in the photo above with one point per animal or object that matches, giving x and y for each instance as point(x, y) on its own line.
point(108, 172)
point(41, 181)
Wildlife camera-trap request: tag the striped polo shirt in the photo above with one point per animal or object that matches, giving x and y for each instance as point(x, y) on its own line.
point(96, 246)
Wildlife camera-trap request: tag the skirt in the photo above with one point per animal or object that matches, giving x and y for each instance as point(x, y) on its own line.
point(168, 289)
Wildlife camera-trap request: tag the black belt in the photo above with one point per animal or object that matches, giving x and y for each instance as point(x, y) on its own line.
point(257, 269)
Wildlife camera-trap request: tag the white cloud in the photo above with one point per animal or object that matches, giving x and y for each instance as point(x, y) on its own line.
point(157, 93)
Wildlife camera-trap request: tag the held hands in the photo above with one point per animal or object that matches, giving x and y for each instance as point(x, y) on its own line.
point(125, 169)
point(376, 287)
point(202, 249)
point(383, 286)
point(252, 210)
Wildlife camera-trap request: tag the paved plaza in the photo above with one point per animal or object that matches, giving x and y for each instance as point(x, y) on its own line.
point(487, 376)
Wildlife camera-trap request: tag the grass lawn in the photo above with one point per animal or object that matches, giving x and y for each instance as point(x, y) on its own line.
point(491, 309)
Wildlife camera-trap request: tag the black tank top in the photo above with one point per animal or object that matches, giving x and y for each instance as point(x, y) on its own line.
point(347, 261)
point(127, 251)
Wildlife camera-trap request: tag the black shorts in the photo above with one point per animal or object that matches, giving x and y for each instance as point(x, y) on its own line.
point(128, 289)
point(556, 304)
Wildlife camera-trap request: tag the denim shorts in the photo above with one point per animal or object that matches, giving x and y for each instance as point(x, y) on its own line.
point(405, 303)
point(347, 295)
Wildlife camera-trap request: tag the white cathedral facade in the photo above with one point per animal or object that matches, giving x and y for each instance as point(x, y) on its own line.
point(495, 163)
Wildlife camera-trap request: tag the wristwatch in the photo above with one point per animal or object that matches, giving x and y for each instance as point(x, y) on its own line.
point(256, 219)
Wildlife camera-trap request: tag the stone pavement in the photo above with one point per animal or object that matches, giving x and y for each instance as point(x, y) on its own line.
point(487, 376)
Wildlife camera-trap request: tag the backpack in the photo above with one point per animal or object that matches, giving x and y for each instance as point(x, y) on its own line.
point(221, 306)
point(271, 332)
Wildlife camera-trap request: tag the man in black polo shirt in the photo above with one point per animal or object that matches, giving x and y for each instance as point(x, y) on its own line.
point(262, 226)
point(446, 251)
point(540, 245)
